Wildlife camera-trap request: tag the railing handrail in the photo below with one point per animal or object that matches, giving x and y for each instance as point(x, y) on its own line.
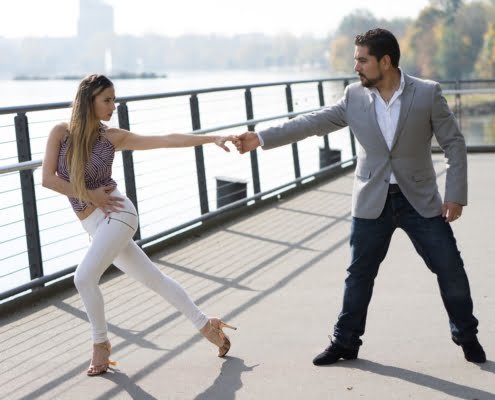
point(469, 91)
point(154, 96)
point(22, 166)
point(37, 163)
point(25, 165)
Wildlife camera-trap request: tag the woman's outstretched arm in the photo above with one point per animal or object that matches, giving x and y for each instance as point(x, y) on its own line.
point(125, 140)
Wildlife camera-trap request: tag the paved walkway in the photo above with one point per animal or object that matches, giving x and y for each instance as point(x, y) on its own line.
point(278, 275)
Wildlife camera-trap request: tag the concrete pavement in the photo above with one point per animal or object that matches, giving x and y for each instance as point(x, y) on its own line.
point(277, 275)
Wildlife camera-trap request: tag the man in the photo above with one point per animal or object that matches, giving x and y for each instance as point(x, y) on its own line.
point(393, 117)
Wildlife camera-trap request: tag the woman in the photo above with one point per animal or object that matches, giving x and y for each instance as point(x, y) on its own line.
point(78, 163)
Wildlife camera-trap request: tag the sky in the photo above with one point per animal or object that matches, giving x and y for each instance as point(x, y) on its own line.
point(58, 18)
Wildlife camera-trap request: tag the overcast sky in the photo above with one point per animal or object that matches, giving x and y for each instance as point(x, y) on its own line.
point(58, 18)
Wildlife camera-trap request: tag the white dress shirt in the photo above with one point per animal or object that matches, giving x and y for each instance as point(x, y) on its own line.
point(387, 114)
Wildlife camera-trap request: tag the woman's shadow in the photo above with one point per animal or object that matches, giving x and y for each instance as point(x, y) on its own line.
point(126, 384)
point(228, 381)
point(224, 387)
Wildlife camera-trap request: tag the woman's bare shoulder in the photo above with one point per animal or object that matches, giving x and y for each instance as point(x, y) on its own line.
point(59, 133)
point(115, 135)
point(61, 129)
point(115, 131)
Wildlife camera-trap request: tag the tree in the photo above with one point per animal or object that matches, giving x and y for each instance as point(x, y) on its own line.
point(341, 54)
point(485, 65)
point(472, 22)
point(448, 7)
point(460, 38)
point(419, 46)
point(357, 22)
point(448, 60)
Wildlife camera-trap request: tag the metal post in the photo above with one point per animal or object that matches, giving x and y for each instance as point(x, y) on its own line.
point(327, 155)
point(128, 161)
point(200, 160)
point(458, 105)
point(255, 172)
point(353, 142)
point(321, 97)
point(29, 198)
point(295, 153)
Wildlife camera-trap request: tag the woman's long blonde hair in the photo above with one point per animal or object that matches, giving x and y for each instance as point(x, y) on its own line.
point(83, 130)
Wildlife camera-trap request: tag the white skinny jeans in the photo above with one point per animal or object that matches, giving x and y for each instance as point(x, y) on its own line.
point(112, 243)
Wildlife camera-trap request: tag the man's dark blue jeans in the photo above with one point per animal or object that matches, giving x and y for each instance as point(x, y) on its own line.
point(434, 241)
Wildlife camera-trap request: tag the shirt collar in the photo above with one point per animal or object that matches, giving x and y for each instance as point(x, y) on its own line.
point(399, 91)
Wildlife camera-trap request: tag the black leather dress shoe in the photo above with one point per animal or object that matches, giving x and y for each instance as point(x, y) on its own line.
point(473, 351)
point(334, 353)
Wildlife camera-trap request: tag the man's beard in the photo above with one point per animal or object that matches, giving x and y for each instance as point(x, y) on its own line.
point(368, 82)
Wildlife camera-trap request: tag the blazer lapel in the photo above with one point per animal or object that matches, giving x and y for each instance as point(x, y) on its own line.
point(405, 104)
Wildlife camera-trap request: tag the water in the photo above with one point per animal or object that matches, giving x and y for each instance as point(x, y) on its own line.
point(13, 93)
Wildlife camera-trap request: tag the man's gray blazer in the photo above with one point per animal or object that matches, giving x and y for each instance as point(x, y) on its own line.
point(424, 112)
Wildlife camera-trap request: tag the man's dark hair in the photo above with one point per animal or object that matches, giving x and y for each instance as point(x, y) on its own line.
point(380, 42)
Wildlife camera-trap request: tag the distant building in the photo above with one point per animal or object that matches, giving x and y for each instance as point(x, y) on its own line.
point(94, 17)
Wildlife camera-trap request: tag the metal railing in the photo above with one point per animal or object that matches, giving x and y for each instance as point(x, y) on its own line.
point(26, 165)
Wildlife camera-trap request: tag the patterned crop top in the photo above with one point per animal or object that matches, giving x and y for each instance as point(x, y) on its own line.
point(98, 171)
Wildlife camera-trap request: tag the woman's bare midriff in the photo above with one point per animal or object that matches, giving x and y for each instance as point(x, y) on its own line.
point(86, 212)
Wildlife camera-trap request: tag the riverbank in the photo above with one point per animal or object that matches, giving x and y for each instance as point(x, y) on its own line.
point(120, 75)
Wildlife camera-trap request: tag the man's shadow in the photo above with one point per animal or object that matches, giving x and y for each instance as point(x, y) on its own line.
point(418, 378)
point(228, 381)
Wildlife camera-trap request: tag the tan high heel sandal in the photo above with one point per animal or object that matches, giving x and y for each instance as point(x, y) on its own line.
point(100, 360)
point(214, 333)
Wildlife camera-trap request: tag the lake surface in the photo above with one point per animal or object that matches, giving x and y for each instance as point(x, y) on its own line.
point(13, 93)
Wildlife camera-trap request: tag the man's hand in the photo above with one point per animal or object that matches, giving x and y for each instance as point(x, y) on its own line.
point(451, 211)
point(246, 142)
point(102, 199)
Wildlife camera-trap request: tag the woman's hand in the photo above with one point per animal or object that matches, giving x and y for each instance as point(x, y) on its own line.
point(102, 199)
point(220, 141)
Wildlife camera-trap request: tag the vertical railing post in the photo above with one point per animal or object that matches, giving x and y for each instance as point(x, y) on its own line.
point(321, 98)
point(255, 172)
point(295, 153)
point(458, 105)
point(353, 142)
point(29, 198)
point(128, 161)
point(327, 155)
point(200, 160)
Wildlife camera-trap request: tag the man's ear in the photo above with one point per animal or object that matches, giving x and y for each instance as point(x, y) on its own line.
point(386, 61)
